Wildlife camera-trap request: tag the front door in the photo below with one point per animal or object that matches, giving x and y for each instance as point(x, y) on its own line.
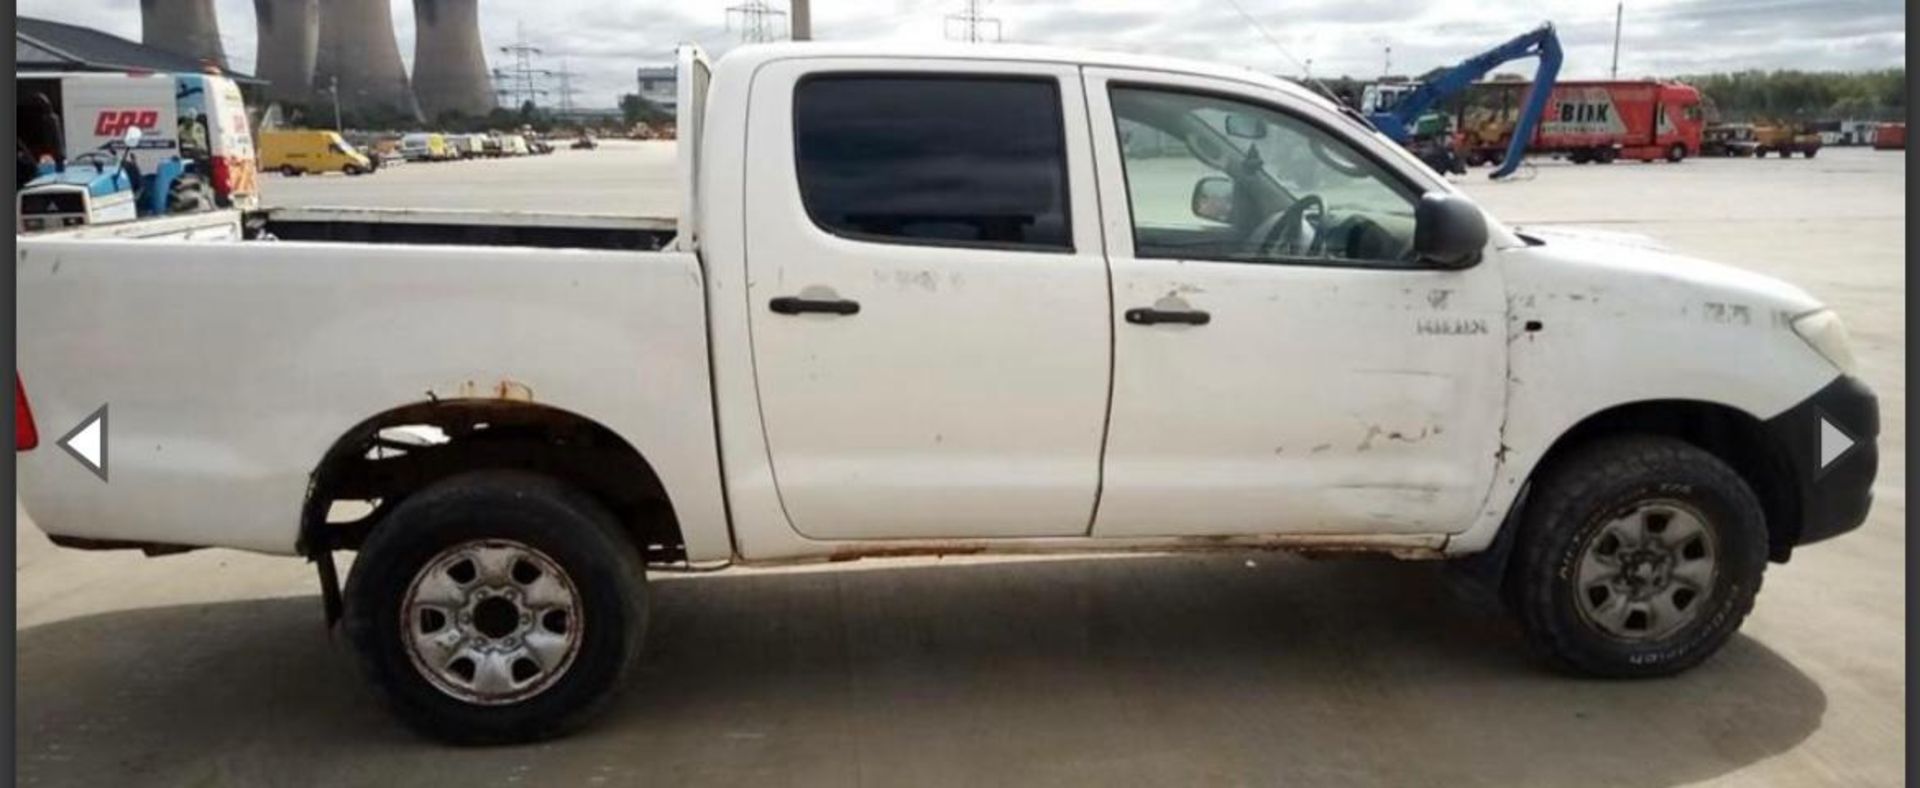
point(1282, 363)
point(929, 309)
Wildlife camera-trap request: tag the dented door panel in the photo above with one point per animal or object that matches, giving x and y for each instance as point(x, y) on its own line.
point(1316, 399)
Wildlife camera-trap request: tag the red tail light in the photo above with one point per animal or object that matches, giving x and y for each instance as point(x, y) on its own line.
point(25, 435)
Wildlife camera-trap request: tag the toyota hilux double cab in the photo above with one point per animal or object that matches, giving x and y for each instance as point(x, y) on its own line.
point(924, 301)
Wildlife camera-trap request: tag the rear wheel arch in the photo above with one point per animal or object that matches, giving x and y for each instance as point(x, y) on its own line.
point(380, 461)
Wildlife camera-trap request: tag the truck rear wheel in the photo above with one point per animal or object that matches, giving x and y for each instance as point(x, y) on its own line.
point(1676, 152)
point(496, 606)
point(1639, 556)
point(289, 171)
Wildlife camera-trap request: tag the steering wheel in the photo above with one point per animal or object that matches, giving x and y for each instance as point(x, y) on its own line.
point(98, 159)
point(1281, 233)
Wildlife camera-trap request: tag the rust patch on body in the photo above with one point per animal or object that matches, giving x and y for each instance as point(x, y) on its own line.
point(505, 389)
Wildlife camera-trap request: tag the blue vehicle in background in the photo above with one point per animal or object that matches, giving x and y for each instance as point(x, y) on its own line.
point(105, 185)
point(1406, 112)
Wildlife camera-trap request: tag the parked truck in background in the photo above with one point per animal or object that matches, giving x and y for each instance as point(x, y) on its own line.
point(1586, 122)
point(1784, 139)
point(1727, 140)
point(924, 301)
point(1890, 136)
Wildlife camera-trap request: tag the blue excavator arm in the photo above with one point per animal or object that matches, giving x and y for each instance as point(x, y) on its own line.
point(1540, 42)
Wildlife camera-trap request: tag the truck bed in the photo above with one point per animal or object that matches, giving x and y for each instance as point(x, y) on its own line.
point(392, 226)
point(230, 368)
point(477, 228)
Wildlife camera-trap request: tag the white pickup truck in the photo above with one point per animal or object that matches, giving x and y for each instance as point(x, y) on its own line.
point(938, 301)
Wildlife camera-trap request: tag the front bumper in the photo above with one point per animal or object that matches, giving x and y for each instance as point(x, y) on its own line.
point(1829, 441)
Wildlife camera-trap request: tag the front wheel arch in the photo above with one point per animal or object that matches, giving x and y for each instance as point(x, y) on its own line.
point(1734, 436)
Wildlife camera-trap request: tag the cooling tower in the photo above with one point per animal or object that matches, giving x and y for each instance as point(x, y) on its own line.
point(184, 27)
point(449, 63)
point(357, 46)
point(289, 41)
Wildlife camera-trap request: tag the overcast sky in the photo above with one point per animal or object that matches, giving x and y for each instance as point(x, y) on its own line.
point(604, 40)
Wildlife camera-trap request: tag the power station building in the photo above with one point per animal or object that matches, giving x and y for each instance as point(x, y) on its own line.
point(289, 42)
point(312, 50)
point(183, 27)
point(449, 63)
point(360, 57)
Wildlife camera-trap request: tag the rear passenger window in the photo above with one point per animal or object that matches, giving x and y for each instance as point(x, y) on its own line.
point(964, 162)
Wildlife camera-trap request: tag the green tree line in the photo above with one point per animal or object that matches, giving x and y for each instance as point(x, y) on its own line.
point(1805, 95)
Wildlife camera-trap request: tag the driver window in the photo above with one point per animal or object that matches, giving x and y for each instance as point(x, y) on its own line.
point(1215, 179)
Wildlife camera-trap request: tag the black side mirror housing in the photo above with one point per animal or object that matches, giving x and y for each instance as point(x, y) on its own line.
point(1448, 231)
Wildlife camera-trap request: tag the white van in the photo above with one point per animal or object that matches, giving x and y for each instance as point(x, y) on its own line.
point(198, 117)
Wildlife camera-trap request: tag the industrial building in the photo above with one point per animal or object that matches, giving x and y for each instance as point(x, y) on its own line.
point(183, 27)
point(322, 50)
point(658, 87)
point(449, 62)
point(289, 42)
point(360, 58)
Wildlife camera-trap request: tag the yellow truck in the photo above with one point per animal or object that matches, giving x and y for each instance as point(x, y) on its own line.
point(1785, 139)
point(302, 151)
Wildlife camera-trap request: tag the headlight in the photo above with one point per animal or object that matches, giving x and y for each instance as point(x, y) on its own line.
point(1824, 332)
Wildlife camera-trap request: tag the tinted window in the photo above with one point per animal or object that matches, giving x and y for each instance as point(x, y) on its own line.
point(923, 160)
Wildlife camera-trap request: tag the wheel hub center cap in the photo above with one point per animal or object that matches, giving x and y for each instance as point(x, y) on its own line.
point(496, 617)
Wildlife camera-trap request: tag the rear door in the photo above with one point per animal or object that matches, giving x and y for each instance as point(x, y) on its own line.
point(928, 297)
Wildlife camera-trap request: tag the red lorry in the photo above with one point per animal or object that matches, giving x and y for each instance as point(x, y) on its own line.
point(1588, 121)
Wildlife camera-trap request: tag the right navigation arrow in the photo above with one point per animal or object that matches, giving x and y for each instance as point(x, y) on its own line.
point(1833, 442)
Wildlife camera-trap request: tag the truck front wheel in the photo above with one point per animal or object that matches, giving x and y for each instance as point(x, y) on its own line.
point(1638, 556)
point(496, 606)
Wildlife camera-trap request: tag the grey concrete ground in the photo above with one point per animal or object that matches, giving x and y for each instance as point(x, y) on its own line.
point(622, 176)
point(212, 669)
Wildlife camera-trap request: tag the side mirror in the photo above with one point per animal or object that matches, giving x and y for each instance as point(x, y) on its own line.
point(1213, 198)
point(131, 138)
point(1448, 231)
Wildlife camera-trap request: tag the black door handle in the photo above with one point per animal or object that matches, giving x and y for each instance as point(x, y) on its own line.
point(1147, 316)
point(793, 305)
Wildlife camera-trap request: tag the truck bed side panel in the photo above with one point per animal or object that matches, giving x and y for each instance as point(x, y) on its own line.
point(230, 368)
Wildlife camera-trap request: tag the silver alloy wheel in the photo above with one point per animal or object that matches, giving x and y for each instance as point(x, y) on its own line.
point(1647, 573)
point(491, 621)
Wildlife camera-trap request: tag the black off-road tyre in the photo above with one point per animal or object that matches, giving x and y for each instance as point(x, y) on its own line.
point(1572, 506)
point(551, 519)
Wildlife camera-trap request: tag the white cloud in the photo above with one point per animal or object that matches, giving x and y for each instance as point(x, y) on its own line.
point(605, 40)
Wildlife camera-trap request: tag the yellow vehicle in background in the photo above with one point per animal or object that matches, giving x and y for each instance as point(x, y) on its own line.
point(302, 151)
point(1784, 139)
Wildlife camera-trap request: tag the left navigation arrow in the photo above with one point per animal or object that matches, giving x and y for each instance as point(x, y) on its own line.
point(88, 442)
